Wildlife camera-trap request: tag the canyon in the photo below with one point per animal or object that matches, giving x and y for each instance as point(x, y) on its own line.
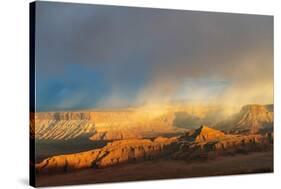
point(124, 123)
point(69, 142)
point(202, 142)
point(138, 123)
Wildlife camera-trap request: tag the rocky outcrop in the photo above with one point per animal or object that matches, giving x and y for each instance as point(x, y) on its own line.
point(252, 119)
point(205, 142)
point(117, 152)
point(202, 143)
point(205, 133)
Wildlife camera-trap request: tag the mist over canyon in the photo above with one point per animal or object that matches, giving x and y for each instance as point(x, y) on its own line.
point(77, 141)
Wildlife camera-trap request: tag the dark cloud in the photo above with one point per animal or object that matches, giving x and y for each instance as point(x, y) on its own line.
point(159, 48)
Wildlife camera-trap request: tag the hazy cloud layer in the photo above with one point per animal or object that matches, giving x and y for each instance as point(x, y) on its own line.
point(102, 56)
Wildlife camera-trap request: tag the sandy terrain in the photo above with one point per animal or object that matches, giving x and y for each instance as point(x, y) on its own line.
point(163, 169)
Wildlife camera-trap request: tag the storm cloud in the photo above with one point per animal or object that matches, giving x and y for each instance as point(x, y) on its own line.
point(90, 56)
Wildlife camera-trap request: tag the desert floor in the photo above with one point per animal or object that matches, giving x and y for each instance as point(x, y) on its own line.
point(261, 162)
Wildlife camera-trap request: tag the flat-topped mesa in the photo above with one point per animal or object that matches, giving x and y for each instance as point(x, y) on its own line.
point(205, 133)
point(258, 112)
point(63, 116)
point(125, 124)
point(63, 125)
point(101, 125)
point(97, 116)
point(251, 119)
point(256, 109)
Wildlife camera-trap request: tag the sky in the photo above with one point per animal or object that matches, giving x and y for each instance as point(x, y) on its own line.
point(94, 56)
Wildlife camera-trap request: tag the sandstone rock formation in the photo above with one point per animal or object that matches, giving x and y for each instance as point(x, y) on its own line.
point(199, 144)
point(205, 142)
point(113, 153)
point(104, 125)
point(137, 135)
point(122, 124)
point(63, 129)
point(252, 119)
point(205, 133)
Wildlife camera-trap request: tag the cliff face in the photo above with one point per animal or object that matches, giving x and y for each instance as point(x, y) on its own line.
point(118, 125)
point(102, 125)
point(203, 143)
point(60, 116)
point(113, 153)
point(63, 129)
point(252, 119)
point(123, 124)
point(207, 143)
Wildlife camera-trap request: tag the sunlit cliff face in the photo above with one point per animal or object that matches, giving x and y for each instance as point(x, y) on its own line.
point(138, 122)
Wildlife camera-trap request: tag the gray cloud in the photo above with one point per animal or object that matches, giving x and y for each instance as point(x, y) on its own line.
point(167, 46)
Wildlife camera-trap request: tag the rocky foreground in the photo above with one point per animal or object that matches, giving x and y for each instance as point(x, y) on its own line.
point(200, 144)
point(259, 162)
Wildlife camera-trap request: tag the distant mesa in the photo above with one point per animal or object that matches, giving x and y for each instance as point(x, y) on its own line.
point(120, 125)
point(107, 125)
point(251, 119)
